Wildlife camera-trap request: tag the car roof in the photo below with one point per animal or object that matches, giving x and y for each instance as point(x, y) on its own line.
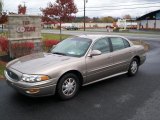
point(95, 37)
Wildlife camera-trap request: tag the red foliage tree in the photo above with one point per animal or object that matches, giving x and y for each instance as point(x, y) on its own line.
point(46, 19)
point(22, 9)
point(3, 18)
point(61, 10)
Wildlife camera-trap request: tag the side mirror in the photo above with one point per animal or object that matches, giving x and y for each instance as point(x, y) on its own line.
point(95, 53)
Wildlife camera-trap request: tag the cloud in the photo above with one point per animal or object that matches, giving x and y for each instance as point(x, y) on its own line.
point(119, 8)
point(116, 8)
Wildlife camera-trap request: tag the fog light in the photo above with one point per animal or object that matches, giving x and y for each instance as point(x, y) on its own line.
point(33, 90)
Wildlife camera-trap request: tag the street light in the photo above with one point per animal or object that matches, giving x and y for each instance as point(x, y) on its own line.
point(85, 1)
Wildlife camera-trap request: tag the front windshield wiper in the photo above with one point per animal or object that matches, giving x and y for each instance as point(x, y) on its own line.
point(58, 53)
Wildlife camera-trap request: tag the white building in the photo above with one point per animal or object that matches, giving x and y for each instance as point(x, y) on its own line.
point(79, 25)
point(89, 25)
point(126, 24)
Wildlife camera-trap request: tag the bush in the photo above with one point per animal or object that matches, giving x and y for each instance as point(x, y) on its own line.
point(21, 48)
point(4, 44)
point(49, 43)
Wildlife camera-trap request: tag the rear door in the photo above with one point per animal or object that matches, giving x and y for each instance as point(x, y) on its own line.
point(98, 66)
point(121, 53)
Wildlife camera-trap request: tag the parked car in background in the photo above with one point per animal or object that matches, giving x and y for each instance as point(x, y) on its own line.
point(74, 62)
point(71, 28)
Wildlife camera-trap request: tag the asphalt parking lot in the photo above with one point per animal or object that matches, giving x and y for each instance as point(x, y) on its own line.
point(119, 98)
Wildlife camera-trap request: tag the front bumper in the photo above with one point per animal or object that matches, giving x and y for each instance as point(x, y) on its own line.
point(38, 89)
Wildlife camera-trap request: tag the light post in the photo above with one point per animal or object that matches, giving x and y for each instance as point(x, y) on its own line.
point(85, 1)
point(155, 23)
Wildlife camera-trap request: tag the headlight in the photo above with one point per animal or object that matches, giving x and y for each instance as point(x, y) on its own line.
point(34, 78)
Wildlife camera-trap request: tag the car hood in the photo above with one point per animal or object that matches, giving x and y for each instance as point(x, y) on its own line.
point(33, 63)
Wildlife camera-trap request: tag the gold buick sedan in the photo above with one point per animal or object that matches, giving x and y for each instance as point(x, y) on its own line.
point(74, 62)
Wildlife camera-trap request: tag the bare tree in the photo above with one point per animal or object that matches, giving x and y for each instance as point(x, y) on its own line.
point(127, 16)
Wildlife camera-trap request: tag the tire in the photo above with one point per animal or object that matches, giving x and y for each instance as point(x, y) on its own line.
point(68, 86)
point(133, 68)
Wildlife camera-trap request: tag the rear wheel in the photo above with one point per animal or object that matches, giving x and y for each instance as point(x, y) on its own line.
point(68, 86)
point(133, 68)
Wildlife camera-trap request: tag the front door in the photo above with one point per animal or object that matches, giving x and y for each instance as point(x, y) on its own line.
point(98, 66)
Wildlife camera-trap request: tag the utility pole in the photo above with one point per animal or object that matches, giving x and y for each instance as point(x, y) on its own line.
point(84, 15)
point(24, 3)
point(85, 1)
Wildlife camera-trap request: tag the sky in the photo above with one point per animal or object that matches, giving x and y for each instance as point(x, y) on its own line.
point(94, 8)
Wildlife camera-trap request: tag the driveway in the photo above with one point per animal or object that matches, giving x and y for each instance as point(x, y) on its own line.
point(119, 98)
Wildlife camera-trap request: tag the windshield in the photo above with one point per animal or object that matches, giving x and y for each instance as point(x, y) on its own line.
point(75, 47)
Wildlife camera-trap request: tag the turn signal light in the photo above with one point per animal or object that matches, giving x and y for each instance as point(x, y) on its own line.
point(33, 90)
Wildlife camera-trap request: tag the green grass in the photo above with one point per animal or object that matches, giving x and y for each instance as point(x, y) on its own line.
point(50, 36)
point(2, 68)
point(4, 34)
point(2, 53)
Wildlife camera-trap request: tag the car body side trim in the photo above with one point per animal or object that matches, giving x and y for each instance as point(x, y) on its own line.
point(100, 68)
point(122, 62)
point(121, 73)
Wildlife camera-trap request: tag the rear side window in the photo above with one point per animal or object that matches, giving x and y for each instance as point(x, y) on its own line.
point(119, 43)
point(126, 43)
point(102, 45)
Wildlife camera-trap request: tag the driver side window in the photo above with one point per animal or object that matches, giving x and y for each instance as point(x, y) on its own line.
point(102, 45)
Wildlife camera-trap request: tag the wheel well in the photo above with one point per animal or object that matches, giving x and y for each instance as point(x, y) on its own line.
point(77, 73)
point(138, 58)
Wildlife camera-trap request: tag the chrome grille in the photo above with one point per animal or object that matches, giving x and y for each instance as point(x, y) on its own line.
point(12, 75)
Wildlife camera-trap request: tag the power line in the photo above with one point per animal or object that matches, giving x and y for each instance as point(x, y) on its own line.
point(121, 8)
point(150, 3)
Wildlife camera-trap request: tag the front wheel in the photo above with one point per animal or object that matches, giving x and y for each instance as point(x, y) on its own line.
point(68, 86)
point(133, 68)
